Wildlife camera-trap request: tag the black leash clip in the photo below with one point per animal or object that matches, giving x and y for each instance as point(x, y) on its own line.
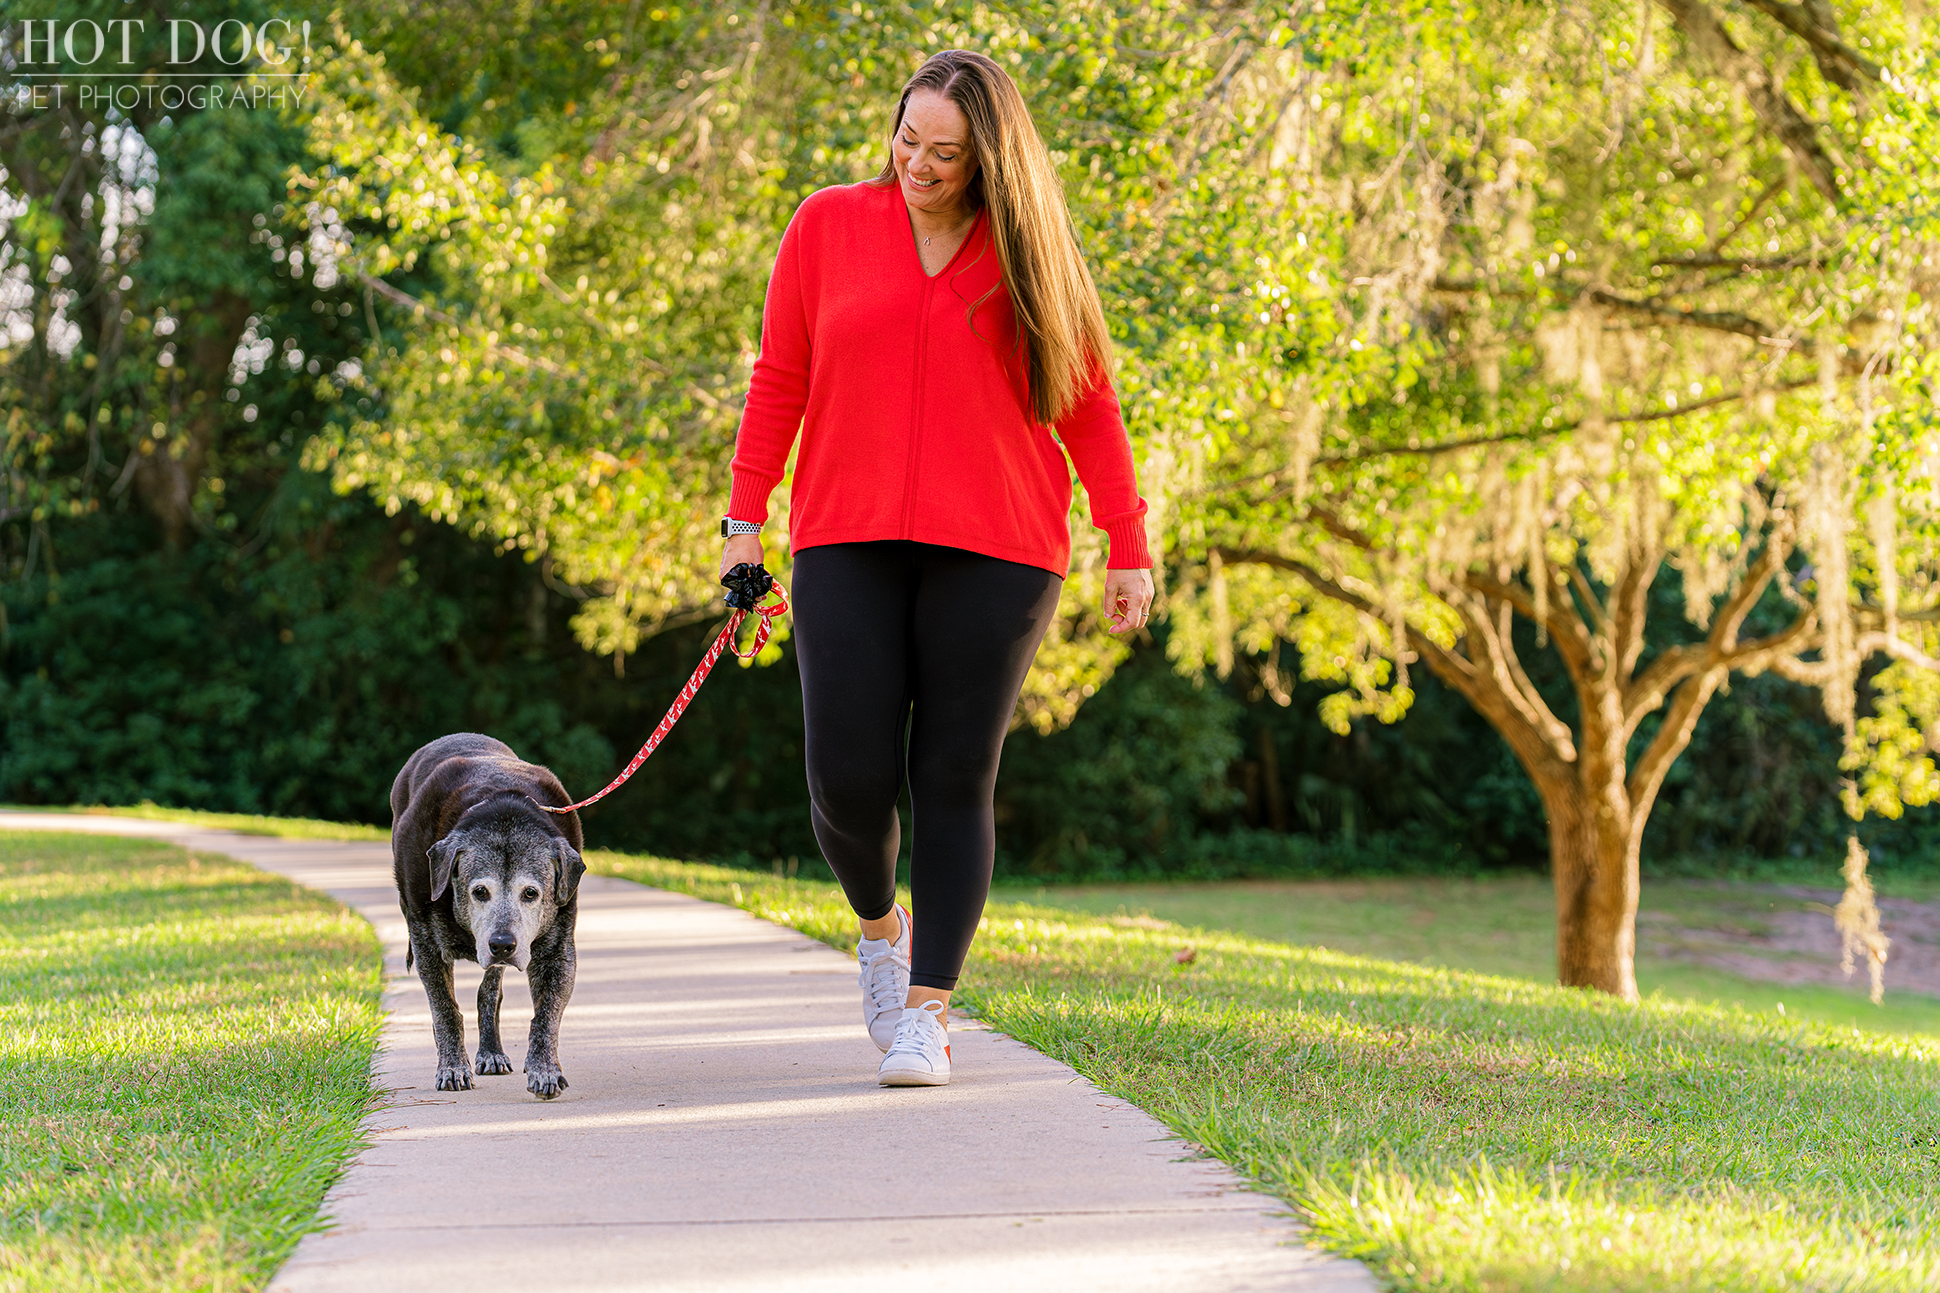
point(746, 585)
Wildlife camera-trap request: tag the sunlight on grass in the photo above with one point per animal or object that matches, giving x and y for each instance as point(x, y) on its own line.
point(187, 1044)
point(1494, 925)
point(1468, 1131)
point(296, 828)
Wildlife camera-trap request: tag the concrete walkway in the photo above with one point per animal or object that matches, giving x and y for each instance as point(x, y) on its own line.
point(724, 1131)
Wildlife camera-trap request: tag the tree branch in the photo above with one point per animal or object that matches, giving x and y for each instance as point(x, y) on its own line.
point(1496, 644)
point(1711, 260)
point(1739, 325)
point(1647, 774)
point(1711, 320)
point(1900, 649)
point(1720, 648)
point(1757, 204)
point(1501, 645)
point(1546, 433)
point(1599, 614)
point(1810, 673)
point(409, 302)
point(1838, 62)
point(1418, 642)
point(1482, 690)
point(1566, 629)
point(1713, 43)
point(1629, 607)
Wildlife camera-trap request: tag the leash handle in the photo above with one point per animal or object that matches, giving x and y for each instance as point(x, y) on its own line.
point(723, 641)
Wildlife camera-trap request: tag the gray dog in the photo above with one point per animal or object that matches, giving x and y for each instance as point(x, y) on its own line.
point(484, 874)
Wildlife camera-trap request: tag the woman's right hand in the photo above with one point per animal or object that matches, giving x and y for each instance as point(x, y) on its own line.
point(741, 548)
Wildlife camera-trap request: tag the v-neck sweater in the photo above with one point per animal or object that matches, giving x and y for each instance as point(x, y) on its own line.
point(912, 397)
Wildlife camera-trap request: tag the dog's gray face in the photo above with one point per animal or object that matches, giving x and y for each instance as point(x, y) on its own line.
point(508, 880)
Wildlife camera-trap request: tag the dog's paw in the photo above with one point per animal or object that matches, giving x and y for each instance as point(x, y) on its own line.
point(455, 1077)
point(545, 1080)
point(493, 1063)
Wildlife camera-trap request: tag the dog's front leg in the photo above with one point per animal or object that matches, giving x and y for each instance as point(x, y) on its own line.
point(492, 1058)
point(447, 1024)
point(552, 988)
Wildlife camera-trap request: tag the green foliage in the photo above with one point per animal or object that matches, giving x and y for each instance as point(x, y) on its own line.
point(188, 1047)
point(1548, 300)
point(293, 680)
point(1129, 783)
point(127, 243)
point(1370, 326)
point(508, 274)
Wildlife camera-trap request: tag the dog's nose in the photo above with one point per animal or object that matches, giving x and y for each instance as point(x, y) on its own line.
point(503, 945)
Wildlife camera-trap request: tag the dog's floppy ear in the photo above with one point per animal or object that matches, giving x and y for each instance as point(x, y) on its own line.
point(567, 867)
point(443, 855)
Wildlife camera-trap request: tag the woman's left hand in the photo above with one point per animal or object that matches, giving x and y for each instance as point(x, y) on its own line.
point(1128, 599)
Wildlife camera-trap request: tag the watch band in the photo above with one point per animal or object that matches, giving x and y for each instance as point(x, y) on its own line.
point(730, 526)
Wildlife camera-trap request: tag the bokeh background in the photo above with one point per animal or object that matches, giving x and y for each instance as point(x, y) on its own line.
point(226, 584)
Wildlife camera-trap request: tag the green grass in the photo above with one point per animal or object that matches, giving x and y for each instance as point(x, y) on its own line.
point(297, 828)
point(185, 1054)
point(1499, 925)
point(1470, 1131)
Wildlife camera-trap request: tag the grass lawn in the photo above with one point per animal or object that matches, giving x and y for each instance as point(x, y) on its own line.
point(1470, 1131)
point(1499, 925)
point(186, 1045)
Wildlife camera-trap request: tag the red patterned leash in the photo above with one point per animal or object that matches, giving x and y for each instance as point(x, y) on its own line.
point(724, 641)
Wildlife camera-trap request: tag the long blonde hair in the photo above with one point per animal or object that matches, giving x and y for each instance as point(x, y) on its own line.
point(1061, 320)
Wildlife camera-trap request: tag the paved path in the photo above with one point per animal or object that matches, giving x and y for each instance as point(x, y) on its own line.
point(724, 1131)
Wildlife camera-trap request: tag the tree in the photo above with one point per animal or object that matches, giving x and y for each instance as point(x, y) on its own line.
point(139, 295)
point(1558, 297)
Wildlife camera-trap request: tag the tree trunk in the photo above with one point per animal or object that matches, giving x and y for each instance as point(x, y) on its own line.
point(1594, 866)
point(170, 472)
point(1276, 803)
point(1596, 798)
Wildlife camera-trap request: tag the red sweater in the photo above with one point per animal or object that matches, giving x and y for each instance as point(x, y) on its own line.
point(914, 425)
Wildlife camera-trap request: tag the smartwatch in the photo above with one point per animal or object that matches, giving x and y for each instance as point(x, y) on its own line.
point(730, 526)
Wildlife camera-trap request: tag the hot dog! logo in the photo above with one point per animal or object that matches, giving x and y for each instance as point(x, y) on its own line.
point(129, 63)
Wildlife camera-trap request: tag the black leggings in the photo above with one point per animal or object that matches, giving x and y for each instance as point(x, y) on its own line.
point(912, 655)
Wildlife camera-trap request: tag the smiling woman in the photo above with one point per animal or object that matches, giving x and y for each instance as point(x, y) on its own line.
point(937, 396)
point(932, 161)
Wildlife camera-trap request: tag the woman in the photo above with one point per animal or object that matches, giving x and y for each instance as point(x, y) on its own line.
point(927, 331)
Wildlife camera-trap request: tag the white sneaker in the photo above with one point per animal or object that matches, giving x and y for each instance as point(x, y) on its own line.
point(920, 1055)
point(885, 982)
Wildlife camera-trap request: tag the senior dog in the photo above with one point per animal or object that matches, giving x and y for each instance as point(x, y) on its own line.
point(484, 874)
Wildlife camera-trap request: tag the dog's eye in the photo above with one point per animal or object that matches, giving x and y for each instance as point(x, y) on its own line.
point(482, 894)
point(530, 894)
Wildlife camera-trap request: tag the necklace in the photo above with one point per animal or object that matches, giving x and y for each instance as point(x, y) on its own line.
point(965, 224)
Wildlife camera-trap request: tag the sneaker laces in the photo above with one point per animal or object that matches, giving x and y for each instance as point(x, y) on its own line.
point(883, 979)
point(922, 1032)
point(880, 981)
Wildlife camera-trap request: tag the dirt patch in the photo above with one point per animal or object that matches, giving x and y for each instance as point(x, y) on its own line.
point(1785, 934)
